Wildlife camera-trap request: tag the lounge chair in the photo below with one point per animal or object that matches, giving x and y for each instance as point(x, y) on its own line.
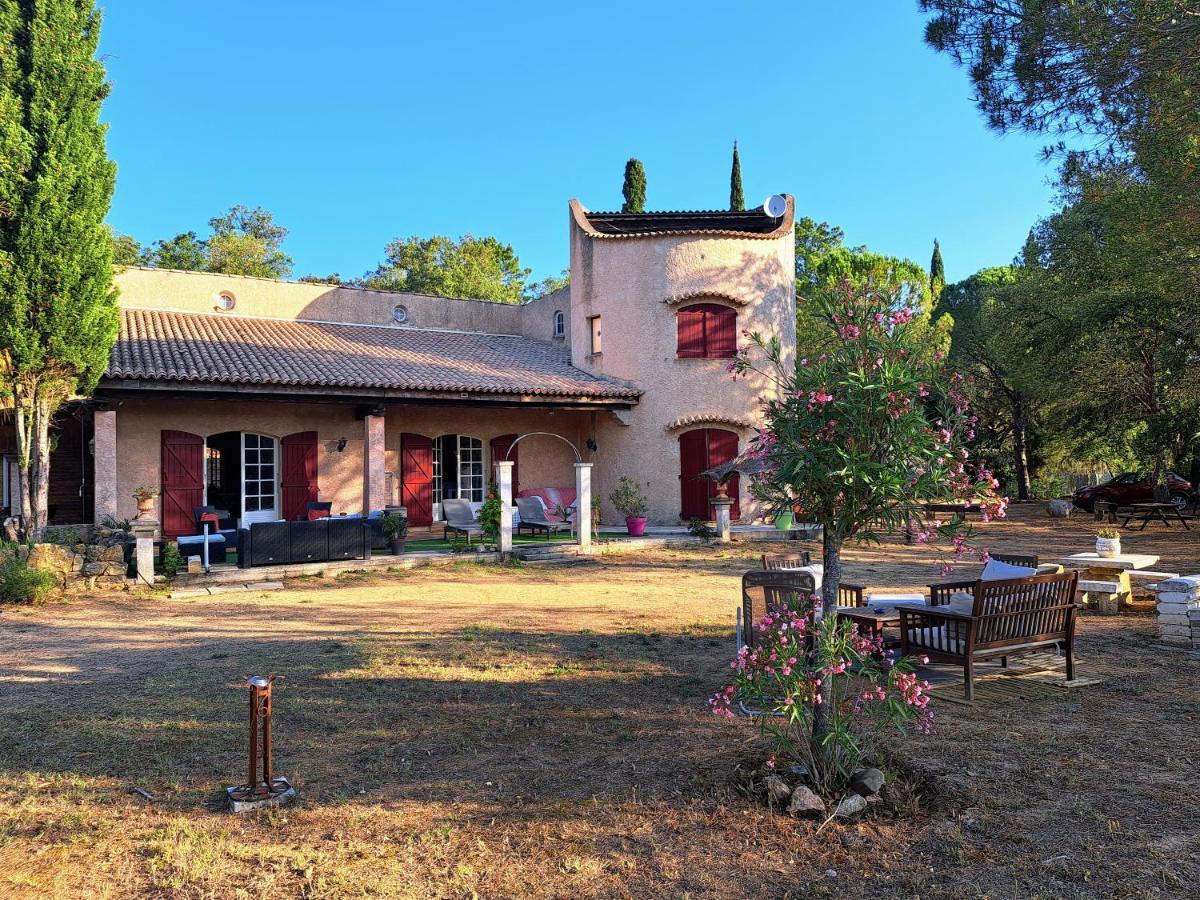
point(459, 517)
point(769, 591)
point(533, 517)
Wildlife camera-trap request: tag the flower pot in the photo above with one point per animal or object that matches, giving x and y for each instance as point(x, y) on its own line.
point(636, 525)
point(784, 521)
point(1108, 548)
point(397, 546)
point(145, 507)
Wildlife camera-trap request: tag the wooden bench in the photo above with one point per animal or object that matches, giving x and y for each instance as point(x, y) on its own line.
point(1007, 618)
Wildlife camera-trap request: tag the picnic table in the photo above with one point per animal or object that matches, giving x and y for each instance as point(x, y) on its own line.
point(1104, 580)
point(1160, 511)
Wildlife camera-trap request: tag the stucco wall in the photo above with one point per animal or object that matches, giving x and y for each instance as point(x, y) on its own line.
point(537, 316)
point(544, 461)
point(635, 284)
point(197, 292)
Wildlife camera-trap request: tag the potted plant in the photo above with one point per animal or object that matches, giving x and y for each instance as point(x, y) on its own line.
point(395, 531)
point(1108, 543)
point(785, 519)
point(631, 503)
point(145, 498)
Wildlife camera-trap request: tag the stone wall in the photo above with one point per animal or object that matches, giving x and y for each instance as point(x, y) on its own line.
point(1179, 611)
point(99, 563)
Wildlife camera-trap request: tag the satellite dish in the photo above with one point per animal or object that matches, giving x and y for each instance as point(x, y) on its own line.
point(775, 206)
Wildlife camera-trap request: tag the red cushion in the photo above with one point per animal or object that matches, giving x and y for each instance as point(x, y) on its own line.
point(211, 517)
point(314, 514)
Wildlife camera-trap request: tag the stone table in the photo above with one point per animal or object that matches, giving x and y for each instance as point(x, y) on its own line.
point(1104, 580)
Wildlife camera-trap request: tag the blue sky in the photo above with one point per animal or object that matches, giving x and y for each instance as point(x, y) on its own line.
point(358, 122)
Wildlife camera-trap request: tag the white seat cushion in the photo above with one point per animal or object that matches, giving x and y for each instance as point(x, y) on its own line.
point(961, 602)
point(896, 600)
point(934, 639)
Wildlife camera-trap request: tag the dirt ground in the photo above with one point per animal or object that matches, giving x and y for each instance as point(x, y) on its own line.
point(543, 732)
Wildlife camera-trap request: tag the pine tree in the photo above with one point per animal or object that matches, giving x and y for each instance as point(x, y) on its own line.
point(58, 314)
point(937, 272)
point(737, 200)
point(634, 189)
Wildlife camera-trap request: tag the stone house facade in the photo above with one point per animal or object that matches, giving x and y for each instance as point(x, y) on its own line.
point(259, 396)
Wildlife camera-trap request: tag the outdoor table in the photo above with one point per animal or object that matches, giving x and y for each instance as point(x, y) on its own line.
point(1105, 579)
point(1159, 511)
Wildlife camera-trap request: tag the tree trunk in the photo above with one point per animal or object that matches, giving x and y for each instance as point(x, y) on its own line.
point(1020, 416)
point(33, 414)
point(831, 580)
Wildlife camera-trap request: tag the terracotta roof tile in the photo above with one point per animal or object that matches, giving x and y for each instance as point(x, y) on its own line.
point(157, 345)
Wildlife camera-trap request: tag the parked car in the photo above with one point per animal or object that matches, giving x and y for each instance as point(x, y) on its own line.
point(1132, 487)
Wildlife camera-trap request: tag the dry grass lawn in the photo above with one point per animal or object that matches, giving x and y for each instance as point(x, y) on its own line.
point(542, 732)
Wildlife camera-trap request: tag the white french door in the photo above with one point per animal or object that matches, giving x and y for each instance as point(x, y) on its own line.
point(260, 478)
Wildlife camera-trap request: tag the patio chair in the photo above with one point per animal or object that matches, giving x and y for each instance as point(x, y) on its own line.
point(788, 561)
point(459, 517)
point(770, 591)
point(999, 619)
point(316, 509)
point(533, 517)
point(998, 566)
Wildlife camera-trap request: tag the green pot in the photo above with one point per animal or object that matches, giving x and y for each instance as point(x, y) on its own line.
point(784, 521)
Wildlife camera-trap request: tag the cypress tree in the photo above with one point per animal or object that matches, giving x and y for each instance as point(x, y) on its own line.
point(634, 189)
point(737, 200)
point(937, 272)
point(58, 314)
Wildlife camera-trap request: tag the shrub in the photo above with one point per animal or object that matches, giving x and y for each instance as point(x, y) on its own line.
point(800, 664)
point(170, 559)
point(489, 515)
point(629, 499)
point(701, 529)
point(1109, 533)
point(394, 525)
point(57, 534)
point(21, 584)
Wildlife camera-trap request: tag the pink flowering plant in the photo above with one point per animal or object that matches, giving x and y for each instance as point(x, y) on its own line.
point(800, 665)
point(857, 439)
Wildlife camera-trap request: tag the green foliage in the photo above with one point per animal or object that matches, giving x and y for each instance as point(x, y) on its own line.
point(185, 251)
point(126, 251)
point(547, 285)
point(634, 188)
point(937, 272)
point(170, 559)
point(247, 242)
point(21, 584)
point(394, 525)
point(489, 515)
point(332, 278)
point(57, 534)
point(700, 529)
point(628, 498)
point(737, 200)
point(478, 268)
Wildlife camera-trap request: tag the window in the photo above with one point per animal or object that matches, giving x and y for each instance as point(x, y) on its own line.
point(259, 473)
point(458, 468)
point(560, 324)
point(213, 466)
point(400, 314)
point(226, 301)
point(594, 322)
point(706, 331)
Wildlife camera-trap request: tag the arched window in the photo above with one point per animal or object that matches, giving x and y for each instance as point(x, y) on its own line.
point(560, 324)
point(707, 331)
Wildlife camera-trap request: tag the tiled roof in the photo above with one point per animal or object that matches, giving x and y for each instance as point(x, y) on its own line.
point(158, 345)
point(752, 223)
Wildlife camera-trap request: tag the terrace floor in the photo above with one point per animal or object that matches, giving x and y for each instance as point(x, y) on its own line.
point(537, 732)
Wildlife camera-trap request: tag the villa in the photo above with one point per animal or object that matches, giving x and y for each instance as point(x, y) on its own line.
point(261, 396)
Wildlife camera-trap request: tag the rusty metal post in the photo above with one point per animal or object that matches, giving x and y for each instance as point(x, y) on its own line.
point(268, 790)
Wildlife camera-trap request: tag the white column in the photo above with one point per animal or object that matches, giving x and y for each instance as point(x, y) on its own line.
point(504, 471)
point(144, 531)
point(721, 506)
point(374, 464)
point(583, 502)
point(104, 459)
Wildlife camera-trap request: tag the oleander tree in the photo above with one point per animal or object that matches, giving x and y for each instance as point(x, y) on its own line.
point(58, 313)
point(861, 437)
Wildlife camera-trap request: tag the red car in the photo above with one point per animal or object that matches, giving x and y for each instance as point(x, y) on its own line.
point(1132, 488)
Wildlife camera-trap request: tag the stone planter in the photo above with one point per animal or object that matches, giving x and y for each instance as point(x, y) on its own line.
point(1108, 548)
point(145, 507)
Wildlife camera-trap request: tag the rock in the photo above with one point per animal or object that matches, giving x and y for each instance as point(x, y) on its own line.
point(853, 805)
point(52, 558)
point(1059, 509)
point(105, 553)
point(805, 803)
point(777, 790)
point(867, 782)
point(11, 529)
point(95, 568)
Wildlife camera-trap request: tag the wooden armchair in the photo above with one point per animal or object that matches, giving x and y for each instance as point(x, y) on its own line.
point(1006, 618)
point(768, 591)
point(939, 594)
point(790, 561)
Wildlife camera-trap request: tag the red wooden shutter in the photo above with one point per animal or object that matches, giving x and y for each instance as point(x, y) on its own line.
point(299, 481)
point(693, 487)
point(502, 449)
point(722, 447)
point(182, 482)
point(720, 333)
point(690, 332)
point(416, 477)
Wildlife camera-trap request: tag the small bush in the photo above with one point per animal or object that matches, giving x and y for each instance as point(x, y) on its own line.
point(56, 534)
point(701, 529)
point(21, 584)
point(170, 559)
point(1109, 533)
